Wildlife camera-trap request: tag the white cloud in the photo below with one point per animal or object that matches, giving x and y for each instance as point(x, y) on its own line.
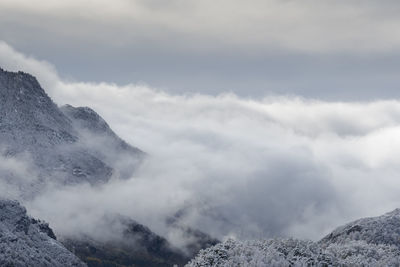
point(244, 167)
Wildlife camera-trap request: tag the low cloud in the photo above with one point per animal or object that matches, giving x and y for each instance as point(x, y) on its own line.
point(19, 176)
point(278, 166)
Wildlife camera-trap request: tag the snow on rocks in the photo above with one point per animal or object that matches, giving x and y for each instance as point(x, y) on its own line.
point(25, 241)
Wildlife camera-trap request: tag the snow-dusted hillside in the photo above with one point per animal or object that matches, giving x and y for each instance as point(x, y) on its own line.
point(292, 252)
point(67, 145)
point(96, 135)
point(381, 230)
point(25, 241)
point(365, 242)
point(274, 252)
point(43, 147)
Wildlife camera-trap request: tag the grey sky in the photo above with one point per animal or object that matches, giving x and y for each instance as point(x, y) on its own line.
point(341, 50)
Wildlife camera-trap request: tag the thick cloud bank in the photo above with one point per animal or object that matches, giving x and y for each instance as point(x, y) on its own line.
point(239, 167)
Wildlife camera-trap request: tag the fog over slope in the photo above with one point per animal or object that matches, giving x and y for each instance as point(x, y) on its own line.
point(230, 166)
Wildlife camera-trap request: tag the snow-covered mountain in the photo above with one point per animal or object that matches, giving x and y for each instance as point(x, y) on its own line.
point(365, 242)
point(42, 144)
point(61, 145)
point(25, 241)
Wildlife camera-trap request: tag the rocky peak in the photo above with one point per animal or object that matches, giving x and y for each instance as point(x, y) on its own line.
point(20, 78)
point(20, 87)
point(25, 107)
point(87, 118)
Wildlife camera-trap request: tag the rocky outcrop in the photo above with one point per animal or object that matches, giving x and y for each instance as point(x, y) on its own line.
point(25, 241)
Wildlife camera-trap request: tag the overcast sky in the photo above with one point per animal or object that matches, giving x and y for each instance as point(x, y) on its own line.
point(335, 50)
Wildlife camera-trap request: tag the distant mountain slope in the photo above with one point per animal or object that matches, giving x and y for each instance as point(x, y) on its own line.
point(365, 242)
point(25, 241)
point(381, 230)
point(96, 135)
point(133, 244)
point(67, 145)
